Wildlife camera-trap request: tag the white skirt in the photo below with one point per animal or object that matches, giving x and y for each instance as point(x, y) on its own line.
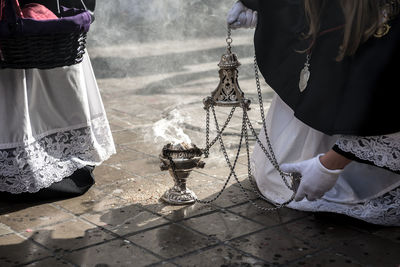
point(52, 123)
point(363, 191)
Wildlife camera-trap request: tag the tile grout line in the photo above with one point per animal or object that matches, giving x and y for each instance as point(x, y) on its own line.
point(28, 239)
point(219, 242)
point(195, 251)
point(250, 219)
point(48, 257)
point(117, 236)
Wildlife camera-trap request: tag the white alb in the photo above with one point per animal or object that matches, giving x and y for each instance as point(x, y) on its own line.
point(362, 191)
point(52, 123)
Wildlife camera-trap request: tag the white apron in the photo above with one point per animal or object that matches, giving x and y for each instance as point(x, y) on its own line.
point(52, 122)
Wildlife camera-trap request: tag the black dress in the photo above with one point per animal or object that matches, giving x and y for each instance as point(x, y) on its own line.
point(357, 96)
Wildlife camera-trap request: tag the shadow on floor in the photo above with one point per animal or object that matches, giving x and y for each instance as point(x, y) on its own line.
point(149, 234)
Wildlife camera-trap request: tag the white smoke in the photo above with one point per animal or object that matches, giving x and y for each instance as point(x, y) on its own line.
point(169, 129)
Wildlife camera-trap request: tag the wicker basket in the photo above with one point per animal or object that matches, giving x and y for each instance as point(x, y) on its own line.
point(42, 44)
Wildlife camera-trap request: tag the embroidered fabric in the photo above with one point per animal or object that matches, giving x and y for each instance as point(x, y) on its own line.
point(383, 210)
point(32, 166)
point(383, 151)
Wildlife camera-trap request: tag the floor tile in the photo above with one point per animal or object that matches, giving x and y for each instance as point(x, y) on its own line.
point(34, 217)
point(125, 220)
point(325, 259)
point(15, 250)
point(391, 233)
point(267, 218)
point(106, 174)
point(50, 262)
point(147, 146)
point(141, 190)
point(4, 229)
point(67, 236)
point(319, 234)
point(231, 196)
point(219, 256)
point(371, 250)
point(122, 121)
point(127, 136)
point(113, 253)
point(171, 240)
point(274, 245)
point(164, 178)
point(95, 200)
point(222, 225)
point(144, 167)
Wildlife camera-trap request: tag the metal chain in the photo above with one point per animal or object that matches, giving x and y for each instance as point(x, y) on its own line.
point(260, 100)
point(229, 40)
point(253, 183)
point(246, 124)
point(219, 136)
point(232, 167)
point(206, 150)
point(271, 155)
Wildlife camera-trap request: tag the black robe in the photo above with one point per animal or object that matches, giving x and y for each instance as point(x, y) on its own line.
point(357, 96)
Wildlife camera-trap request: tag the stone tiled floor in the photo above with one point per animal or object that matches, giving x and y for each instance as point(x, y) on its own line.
point(120, 221)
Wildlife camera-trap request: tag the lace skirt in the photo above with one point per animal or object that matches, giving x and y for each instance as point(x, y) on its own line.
point(52, 123)
point(363, 191)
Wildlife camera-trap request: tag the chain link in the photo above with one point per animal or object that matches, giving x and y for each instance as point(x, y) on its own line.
point(206, 150)
point(229, 40)
point(232, 168)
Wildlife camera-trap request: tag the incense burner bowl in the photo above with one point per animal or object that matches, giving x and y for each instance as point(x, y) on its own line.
point(180, 159)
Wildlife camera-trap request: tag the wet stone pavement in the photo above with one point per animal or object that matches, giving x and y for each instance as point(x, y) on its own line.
point(121, 221)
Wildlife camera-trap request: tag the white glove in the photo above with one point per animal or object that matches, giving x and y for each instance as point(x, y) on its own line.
point(316, 180)
point(241, 17)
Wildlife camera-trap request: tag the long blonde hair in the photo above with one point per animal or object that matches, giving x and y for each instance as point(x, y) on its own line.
point(362, 20)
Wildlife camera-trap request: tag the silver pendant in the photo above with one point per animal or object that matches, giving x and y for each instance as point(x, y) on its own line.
point(304, 75)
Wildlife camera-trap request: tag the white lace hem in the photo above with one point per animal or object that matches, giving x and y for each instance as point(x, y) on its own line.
point(383, 151)
point(383, 210)
point(35, 165)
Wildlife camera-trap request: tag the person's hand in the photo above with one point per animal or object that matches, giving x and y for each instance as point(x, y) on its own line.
point(241, 17)
point(316, 180)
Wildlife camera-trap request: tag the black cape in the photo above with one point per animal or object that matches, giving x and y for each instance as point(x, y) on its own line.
point(358, 96)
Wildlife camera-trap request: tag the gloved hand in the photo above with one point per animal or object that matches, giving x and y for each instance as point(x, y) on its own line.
point(241, 17)
point(316, 179)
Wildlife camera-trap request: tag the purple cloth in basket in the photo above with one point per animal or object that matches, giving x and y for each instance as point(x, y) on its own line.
point(73, 20)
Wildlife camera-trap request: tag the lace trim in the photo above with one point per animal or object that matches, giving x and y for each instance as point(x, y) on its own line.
point(383, 151)
point(384, 210)
point(31, 167)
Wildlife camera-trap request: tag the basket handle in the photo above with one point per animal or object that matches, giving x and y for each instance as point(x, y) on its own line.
point(59, 6)
point(12, 11)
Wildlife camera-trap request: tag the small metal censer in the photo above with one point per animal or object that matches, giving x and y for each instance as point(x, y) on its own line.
point(229, 94)
point(180, 160)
